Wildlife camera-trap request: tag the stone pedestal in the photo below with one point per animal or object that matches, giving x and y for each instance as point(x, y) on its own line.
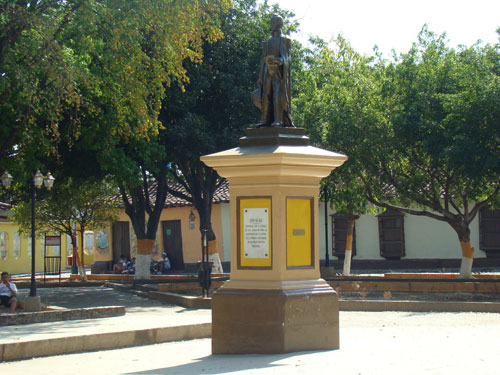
point(275, 300)
point(32, 304)
point(274, 321)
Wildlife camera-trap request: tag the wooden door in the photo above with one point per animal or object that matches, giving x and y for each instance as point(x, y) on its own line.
point(121, 239)
point(172, 243)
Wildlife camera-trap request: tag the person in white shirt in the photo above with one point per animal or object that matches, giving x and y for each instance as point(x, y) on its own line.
point(8, 292)
point(163, 263)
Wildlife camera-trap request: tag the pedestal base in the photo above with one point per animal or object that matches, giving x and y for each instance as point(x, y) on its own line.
point(32, 304)
point(274, 321)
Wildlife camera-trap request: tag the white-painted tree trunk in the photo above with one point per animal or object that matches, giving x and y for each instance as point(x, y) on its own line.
point(466, 268)
point(83, 274)
point(347, 263)
point(143, 267)
point(216, 263)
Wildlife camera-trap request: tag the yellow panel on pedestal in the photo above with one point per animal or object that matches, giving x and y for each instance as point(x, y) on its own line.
point(299, 246)
point(245, 258)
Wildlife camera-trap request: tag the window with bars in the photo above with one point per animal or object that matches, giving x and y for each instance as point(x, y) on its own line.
point(339, 235)
point(4, 245)
point(391, 234)
point(489, 231)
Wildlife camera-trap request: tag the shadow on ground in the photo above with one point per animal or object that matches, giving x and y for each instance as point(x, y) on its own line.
point(82, 297)
point(222, 364)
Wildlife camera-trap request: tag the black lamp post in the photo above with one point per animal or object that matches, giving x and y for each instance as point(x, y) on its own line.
point(204, 273)
point(327, 255)
point(36, 183)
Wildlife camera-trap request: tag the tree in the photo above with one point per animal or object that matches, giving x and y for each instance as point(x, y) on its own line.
point(421, 131)
point(215, 108)
point(140, 171)
point(444, 135)
point(37, 76)
point(116, 59)
point(337, 92)
point(72, 206)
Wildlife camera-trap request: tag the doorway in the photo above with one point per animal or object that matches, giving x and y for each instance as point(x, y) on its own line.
point(121, 239)
point(172, 243)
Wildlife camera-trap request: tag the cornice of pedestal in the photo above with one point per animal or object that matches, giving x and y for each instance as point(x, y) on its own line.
point(274, 161)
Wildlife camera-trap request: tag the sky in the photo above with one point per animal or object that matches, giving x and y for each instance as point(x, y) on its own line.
point(395, 24)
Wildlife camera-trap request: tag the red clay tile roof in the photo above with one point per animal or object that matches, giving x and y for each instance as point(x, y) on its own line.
point(221, 195)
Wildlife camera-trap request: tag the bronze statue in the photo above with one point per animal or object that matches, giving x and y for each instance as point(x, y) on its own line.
point(273, 95)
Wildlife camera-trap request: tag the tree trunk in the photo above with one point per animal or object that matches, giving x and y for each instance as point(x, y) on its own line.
point(463, 233)
point(81, 268)
point(348, 243)
point(143, 258)
point(76, 261)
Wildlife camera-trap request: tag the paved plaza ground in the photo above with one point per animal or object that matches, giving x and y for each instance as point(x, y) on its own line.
point(370, 342)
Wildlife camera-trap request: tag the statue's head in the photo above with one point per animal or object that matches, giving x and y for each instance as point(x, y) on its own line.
point(276, 22)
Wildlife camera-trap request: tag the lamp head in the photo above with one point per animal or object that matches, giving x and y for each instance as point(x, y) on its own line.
point(49, 181)
point(6, 179)
point(38, 179)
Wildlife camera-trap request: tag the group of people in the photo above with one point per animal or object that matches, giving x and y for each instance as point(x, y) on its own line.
point(158, 267)
point(8, 293)
point(124, 265)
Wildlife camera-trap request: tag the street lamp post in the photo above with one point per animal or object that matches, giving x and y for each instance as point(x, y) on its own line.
point(32, 302)
point(327, 255)
point(36, 183)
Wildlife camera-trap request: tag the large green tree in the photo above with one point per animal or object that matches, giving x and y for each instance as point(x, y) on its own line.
point(215, 108)
point(336, 99)
point(113, 61)
point(442, 157)
point(37, 76)
point(427, 139)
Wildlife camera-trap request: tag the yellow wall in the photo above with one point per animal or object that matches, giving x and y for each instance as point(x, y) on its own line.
point(22, 264)
point(191, 238)
point(191, 241)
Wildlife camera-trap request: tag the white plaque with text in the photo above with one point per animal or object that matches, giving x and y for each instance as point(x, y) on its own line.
point(256, 233)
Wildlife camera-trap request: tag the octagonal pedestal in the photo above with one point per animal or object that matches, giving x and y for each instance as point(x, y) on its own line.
point(275, 300)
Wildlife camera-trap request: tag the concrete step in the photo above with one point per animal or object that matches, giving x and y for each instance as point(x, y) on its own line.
point(78, 343)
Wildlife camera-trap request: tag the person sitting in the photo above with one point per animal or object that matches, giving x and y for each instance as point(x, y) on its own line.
point(8, 293)
point(130, 269)
point(121, 265)
point(162, 265)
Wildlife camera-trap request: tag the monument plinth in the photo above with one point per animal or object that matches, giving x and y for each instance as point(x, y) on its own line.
point(275, 300)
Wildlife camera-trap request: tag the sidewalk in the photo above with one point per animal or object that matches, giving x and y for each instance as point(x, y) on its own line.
point(146, 322)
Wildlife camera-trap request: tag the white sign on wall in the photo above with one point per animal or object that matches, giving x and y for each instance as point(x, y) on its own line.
point(256, 233)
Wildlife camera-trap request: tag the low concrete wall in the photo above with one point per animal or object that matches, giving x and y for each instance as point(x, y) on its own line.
point(416, 286)
point(189, 302)
point(419, 306)
point(61, 314)
point(111, 340)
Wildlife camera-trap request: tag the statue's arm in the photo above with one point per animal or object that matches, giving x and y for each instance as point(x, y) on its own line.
point(262, 63)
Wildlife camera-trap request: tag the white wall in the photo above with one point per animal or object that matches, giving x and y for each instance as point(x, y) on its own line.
point(425, 238)
point(367, 246)
point(428, 238)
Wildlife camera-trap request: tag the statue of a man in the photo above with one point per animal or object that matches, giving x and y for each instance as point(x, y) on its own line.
point(273, 95)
